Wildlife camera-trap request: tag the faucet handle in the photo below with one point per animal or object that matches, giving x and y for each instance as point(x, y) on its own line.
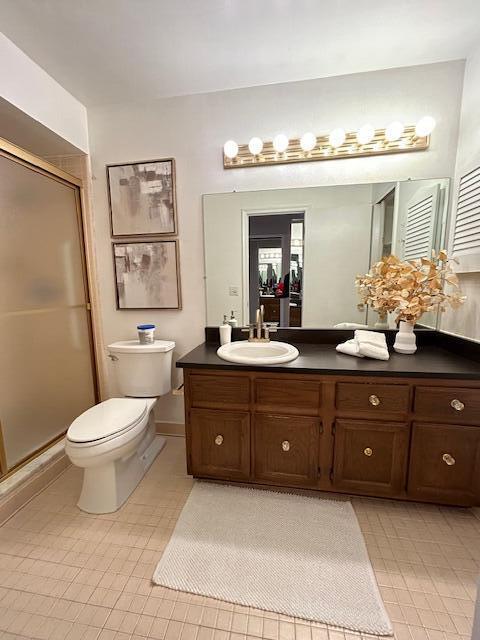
point(250, 330)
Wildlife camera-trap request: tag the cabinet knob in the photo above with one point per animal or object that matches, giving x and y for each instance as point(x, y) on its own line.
point(285, 445)
point(374, 400)
point(448, 459)
point(457, 404)
point(368, 451)
point(219, 440)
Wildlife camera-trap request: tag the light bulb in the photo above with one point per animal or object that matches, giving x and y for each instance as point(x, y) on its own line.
point(230, 149)
point(255, 146)
point(308, 141)
point(280, 143)
point(365, 134)
point(337, 137)
point(394, 131)
point(425, 126)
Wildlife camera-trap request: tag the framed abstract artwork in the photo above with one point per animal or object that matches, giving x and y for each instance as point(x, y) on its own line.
point(142, 198)
point(147, 274)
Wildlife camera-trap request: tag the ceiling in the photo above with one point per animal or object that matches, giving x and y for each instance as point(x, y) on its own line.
point(106, 51)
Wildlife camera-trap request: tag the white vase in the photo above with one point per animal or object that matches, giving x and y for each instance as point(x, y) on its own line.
point(406, 340)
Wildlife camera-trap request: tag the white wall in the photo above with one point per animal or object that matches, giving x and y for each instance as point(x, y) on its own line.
point(193, 129)
point(337, 247)
point(466, 320)
point(29, 88)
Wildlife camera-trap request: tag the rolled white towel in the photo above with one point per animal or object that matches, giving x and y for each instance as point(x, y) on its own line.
point(350, 325)
point(350, 348)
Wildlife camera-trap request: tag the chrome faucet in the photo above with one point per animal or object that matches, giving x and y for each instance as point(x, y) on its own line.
point(261, 326)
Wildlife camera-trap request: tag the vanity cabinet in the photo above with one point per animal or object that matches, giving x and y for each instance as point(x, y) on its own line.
point(286, 449)
point(370, 457)
point(404, 438)
point(220, 444)
point(372, 398)
point(445, 463)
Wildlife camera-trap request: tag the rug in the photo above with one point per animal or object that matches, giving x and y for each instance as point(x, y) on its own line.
point(290, 554)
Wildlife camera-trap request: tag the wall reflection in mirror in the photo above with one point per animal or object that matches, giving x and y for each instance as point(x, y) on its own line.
point(297, 251)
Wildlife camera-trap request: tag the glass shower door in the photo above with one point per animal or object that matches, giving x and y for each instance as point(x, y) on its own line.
point(46, 359)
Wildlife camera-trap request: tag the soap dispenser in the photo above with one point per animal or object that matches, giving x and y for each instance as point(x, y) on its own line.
point(225, 331)
point(233, 321)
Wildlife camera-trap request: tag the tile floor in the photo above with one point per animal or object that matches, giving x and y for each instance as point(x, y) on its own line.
point(67, 575)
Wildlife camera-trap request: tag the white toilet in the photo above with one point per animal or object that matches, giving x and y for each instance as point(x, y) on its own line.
point(114, 442)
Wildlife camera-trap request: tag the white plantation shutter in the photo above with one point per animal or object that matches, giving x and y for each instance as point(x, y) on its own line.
point(466, 236)
point(420, 224)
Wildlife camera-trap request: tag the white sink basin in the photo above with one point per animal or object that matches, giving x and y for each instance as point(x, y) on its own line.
point(245, 352)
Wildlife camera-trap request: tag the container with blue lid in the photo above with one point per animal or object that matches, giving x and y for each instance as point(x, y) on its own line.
point(146, 333)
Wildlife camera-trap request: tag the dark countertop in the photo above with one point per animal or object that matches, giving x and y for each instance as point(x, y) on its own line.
point(429, 361)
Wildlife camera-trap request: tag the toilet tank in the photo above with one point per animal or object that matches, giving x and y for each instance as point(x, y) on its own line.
point(142, 370)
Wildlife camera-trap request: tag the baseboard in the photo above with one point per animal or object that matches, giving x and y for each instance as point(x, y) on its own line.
point(170, 429)
point(18, 496)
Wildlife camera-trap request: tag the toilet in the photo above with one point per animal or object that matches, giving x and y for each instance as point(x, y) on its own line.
point(115, 442)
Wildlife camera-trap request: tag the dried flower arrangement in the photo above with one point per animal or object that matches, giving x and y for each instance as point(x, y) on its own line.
point(410, 288)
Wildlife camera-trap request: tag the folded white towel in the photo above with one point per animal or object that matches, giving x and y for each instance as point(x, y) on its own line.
point(350, 347)
point(371, 351)
point(366, 344)
point(375, 338)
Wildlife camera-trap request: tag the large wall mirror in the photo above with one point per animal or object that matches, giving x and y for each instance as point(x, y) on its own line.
point(297, 251)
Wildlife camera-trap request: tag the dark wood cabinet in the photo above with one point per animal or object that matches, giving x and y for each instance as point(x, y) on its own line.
point(220, 444)
point(217, 391)
point(445, 463)
point(286, 449)
point(277, 395)
point(370, 457)
point(372, 397)
point(455, 404)
point(405, 438)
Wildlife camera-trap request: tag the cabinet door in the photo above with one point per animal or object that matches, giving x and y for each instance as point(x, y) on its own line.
point(370, 457)
point(220, 444)
point(219, 392)
point(448, 404)
point(445, 464)
point(286, 449)
point(372, 398)
point(298, 397)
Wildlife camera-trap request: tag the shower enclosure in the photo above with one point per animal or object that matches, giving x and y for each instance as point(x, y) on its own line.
point(47, 368)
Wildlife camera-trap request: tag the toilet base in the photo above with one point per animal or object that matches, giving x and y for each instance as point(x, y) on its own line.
point(106, 487)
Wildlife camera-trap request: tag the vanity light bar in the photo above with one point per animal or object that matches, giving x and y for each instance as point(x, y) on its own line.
point(257, 154)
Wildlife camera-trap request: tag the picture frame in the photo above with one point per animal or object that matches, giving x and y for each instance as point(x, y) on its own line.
point(142, 198)
point(147, 274)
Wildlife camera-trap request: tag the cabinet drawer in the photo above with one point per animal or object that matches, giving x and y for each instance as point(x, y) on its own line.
point(232, 392)
point(448, 403)
point(378, 398)
point(445, 464)
point(370, 457)
point(299, 397)
point(220, 444)
point(286, 449)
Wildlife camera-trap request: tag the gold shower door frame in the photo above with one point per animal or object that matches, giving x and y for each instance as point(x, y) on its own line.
point(34, 163)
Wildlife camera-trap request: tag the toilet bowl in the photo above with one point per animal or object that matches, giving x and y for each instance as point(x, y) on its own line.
point(114, 442)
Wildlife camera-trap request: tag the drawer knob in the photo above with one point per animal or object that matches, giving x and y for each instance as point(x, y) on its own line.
point(374, 400)
point(448, 459)
point(219, 440)
point(285, 445)
point(457, 404)
point(368, 451)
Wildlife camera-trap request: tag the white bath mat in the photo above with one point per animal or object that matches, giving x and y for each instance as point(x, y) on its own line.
point(300, 556)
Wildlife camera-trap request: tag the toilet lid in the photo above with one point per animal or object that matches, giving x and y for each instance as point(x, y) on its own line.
point(106, 419)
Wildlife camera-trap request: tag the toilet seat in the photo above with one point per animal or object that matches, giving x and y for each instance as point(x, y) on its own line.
point(107, 420)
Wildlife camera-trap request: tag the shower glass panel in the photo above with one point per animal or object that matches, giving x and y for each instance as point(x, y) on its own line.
point(46, 363)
